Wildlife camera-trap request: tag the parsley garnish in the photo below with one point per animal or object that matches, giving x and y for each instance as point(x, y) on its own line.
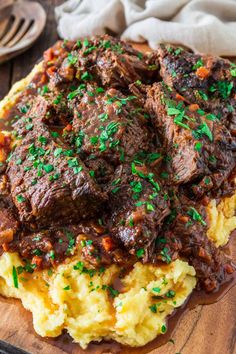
point(203, 129)
point(140, 252)
point(15, 277)
point(194, 214)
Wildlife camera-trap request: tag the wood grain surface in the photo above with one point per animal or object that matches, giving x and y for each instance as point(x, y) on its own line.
point(204, 330)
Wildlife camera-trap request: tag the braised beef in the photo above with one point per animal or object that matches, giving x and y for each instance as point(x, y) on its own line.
point(110, 125)
point(49, 182)
point(138, 207)
point(205, 80)
point(106, 60)
point(200, 147)
point(116, 156)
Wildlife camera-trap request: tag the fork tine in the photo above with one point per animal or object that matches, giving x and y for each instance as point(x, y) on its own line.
point(21, 32)
point(3, 26)
point(12, 31)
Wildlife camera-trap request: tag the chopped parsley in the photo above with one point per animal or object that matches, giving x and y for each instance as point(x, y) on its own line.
point(163, 329)
point(198, 64)
point(156, 290)
point(198, 146)
point(67, 287)
point(72, 59)
point(20, 198)
point(194, 214)
point(170, 294)
point(165, 255)
point(153, 308)
point(15, 277)
point(233, 72)
point(140, 252)
point(203, 129)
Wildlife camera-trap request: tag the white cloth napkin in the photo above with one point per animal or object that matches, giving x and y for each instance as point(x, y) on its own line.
point(207, 26)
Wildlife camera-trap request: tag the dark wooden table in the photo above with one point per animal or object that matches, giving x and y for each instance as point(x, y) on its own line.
point(20, 66)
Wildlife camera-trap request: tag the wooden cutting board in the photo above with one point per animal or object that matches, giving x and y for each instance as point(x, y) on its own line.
point(207, 329)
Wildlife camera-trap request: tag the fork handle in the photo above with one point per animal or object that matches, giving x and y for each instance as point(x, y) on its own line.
point(6, 3)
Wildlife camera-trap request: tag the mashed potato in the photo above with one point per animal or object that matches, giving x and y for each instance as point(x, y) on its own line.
point(86, 304)
point(222, 220)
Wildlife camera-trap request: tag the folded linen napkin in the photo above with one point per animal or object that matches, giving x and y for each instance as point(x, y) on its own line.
point(207, 26)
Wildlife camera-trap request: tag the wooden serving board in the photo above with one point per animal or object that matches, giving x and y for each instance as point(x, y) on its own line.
point(204, 330)
point(208, 329)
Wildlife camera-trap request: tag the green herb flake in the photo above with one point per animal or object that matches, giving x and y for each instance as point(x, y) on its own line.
point(198, 146)
point(100, 90)
point(170, 294)
point(165, 255)
point(140, 253)
point(18, 161)
point(233, 72)
point(86, 76)
point(52, 254)
point(211, 116)
point(15, 277)
point(153, 308)
point(156, 290)
point(203, 129)
point(67, 287)
point(198, 64)
point(93, 140)
point(194, 214)
point(48, 168)
point(20, 198)
point(103, 117)
point(163, 329)
point(72, 59)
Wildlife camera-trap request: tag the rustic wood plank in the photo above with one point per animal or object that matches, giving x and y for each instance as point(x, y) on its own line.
point(5, 75)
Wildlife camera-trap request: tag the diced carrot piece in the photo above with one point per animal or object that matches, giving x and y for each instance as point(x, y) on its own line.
point(43, 79)
point(2, 138)
point(183, 218)
point(5, 247)
point(107, 243)
point(68, 128)
point(48, 55)
point(193, 107)
point(51, 70)
point(37, 260)
point(229, 269)
point(202, 72)
point(179, 97)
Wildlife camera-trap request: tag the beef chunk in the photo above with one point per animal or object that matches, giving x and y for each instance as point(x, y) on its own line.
point(199, 146)
point(110, 125)
point(46, 247)
point(50, 183)
point(46, 110)
point(8, 220)
point(138, 206)
point(107, 60)
point(100, 169)
point(205, 80)
point(8, 225)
